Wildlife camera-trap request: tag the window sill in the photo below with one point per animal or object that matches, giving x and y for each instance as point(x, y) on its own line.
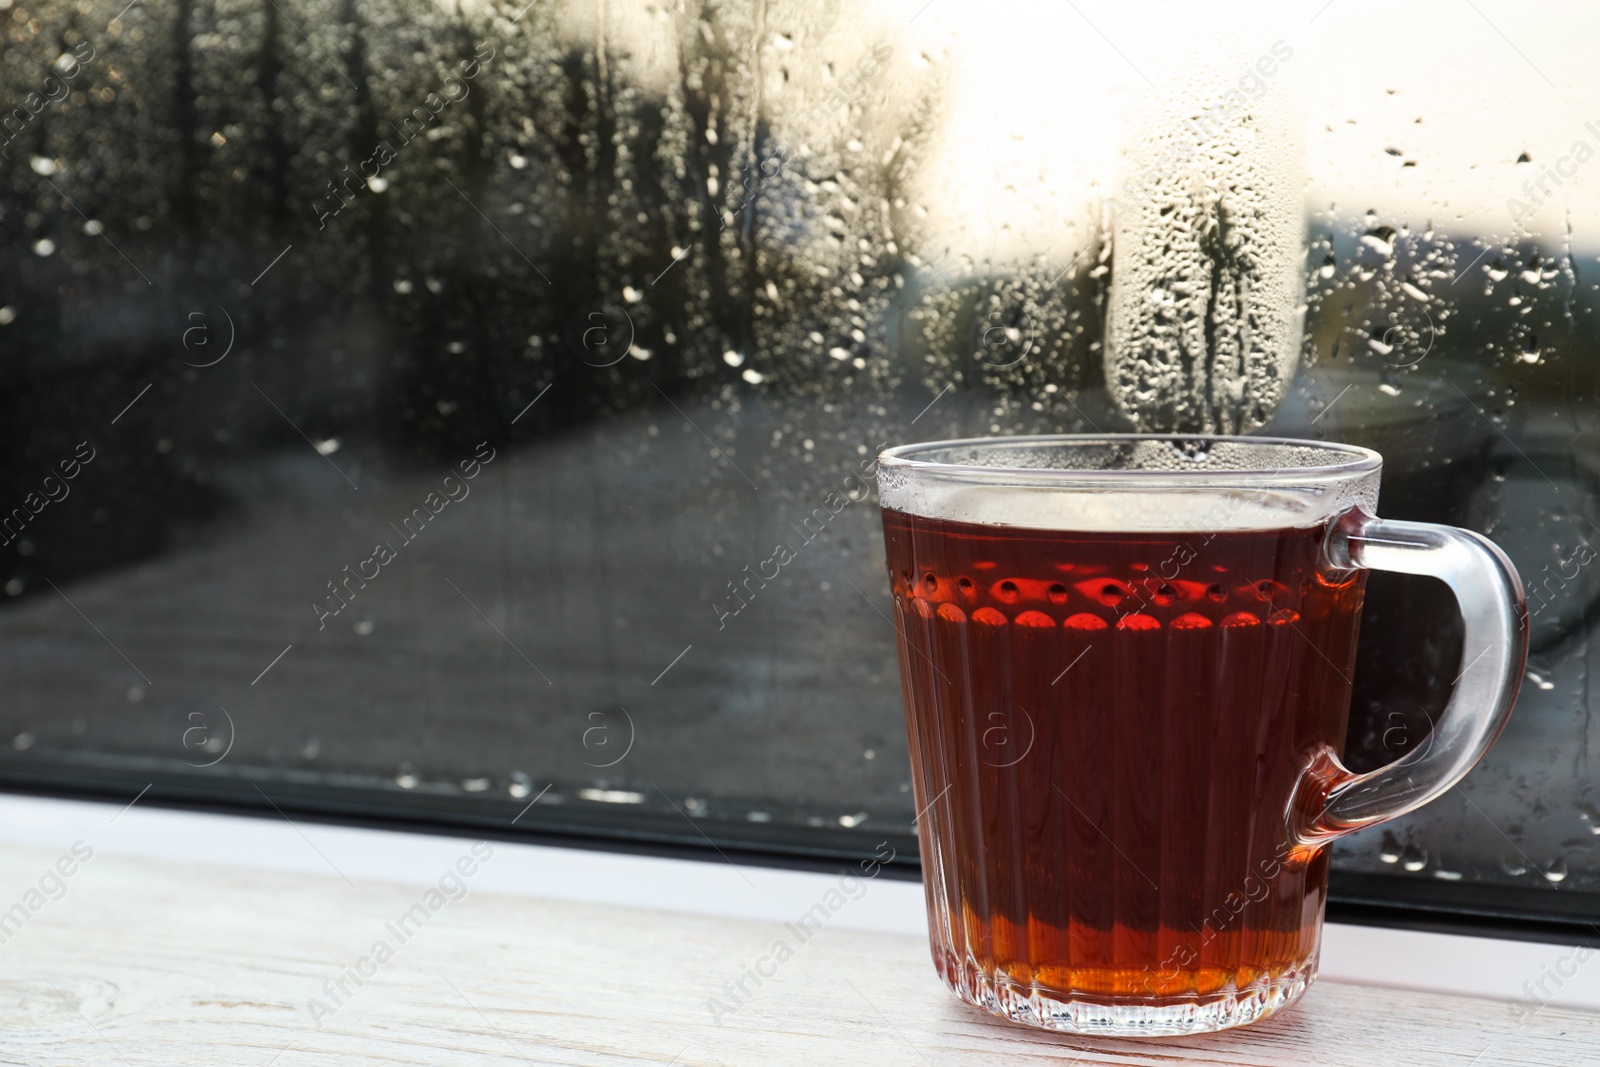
point(184, 932)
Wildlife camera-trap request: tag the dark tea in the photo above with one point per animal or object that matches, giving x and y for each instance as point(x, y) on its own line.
point(1106, 730)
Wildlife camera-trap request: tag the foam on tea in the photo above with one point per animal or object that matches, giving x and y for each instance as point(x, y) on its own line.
point(1204, 320)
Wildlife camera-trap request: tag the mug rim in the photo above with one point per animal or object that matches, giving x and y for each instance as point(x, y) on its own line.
point(1360, 460)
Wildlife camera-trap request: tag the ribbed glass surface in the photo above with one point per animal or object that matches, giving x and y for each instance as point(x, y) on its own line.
point(1105, 745)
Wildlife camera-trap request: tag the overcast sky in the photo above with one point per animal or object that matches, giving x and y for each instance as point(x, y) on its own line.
point(1417, 109)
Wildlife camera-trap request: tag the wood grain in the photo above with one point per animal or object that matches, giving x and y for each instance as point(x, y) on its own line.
point(165, 963)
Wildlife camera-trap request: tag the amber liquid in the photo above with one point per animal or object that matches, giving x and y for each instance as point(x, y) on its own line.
point(1106, 730)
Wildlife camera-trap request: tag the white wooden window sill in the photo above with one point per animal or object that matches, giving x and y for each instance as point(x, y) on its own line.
point(195, 938)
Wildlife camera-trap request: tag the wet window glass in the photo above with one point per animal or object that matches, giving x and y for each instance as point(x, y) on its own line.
point(466, 413)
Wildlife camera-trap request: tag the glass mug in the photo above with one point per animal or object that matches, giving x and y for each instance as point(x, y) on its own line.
point(1126, 664)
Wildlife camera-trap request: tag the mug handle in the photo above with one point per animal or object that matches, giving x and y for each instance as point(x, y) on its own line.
point(1330, 801)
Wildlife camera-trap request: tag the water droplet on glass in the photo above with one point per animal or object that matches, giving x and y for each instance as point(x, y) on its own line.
point(1556, 872)
point(44, 246)
point(42, 165)
point(1413, 858)
point(407, 778)
point(1180, 236)
point(1389, 848)
point(1381, 242)
point(732, 358)
point(611, 796)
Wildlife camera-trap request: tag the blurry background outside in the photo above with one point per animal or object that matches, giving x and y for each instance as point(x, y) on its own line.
point(397, 398)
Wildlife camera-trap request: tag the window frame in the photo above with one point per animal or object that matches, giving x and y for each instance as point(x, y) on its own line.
point(1465, 909)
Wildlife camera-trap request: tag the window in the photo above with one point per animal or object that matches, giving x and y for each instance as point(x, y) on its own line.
point(467, 415)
